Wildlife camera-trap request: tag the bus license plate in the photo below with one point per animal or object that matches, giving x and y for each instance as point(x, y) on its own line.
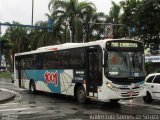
point(131, 93)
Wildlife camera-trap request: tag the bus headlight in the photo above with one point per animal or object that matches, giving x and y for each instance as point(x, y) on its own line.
point(142, 87)
point(109, 85)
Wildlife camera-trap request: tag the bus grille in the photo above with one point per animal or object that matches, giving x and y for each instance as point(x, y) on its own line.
point(129, 88)
point(129, 94)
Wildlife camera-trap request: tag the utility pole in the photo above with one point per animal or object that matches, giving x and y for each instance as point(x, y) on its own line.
point(32, 10)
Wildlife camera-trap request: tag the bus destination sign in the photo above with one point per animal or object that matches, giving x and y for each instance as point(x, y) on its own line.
point(123, 44)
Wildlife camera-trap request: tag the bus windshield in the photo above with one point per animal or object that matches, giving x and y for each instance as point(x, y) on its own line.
point(125, 64)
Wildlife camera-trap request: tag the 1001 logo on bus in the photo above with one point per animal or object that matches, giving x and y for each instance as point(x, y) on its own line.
point(51, 78)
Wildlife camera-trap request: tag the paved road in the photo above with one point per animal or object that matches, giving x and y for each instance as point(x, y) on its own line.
point(58, 107)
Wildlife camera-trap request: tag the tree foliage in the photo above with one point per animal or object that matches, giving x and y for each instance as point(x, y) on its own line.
point(71, 13)
point(142, 17)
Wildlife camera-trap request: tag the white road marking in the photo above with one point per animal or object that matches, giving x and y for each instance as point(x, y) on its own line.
point(18, 109)
point(44, 116)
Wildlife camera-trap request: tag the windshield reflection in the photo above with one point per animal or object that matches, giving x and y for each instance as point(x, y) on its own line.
point(125, 64)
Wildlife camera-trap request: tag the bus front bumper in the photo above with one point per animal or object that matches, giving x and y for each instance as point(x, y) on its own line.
point(109, 94)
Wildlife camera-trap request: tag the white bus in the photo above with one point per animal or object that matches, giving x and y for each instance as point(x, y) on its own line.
point(110, 69)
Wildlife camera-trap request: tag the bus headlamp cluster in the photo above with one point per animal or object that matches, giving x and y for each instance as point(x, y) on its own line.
point(109, 85)
point(142, 87)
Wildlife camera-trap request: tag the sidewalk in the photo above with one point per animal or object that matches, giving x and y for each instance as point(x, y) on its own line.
point(7, 80)
point(5, 96)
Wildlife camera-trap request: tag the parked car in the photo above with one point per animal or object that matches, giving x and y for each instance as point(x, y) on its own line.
point(153, 88)
point(3, 69)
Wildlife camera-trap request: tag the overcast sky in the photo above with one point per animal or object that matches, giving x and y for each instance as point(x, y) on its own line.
point(21, 10)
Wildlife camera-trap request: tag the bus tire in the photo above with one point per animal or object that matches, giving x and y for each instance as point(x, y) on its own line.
point(32, 87)
point(148, 98)
point(81, 95)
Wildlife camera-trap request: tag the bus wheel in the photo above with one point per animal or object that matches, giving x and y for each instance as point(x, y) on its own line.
point(81, 94)
point(32, 87)
point(148, 98)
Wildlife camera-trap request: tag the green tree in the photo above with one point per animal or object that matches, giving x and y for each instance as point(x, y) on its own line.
point(148, 17)
point(19, 37)
point(114, 18)
point(97, 30)
point(40, 37)
point(15, 40)
point(144, 17)
point(129, 16)
point(71, 13)
point(7, 48)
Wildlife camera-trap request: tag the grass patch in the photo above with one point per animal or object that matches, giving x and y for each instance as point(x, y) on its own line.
point(5, 74)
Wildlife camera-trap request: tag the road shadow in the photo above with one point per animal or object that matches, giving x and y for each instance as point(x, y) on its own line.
point(121, 107)
point(91, 104)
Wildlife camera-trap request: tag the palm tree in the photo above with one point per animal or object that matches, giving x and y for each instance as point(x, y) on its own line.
point(15, 40)
point(96, 28)
point(40, 37)
point(19, 36)
point(115, 17)
point(70, 12)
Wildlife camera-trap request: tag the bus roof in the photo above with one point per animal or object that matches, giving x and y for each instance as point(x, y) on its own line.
point(69, 45)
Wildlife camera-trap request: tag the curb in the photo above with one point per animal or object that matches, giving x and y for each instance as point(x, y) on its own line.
point(9, 98)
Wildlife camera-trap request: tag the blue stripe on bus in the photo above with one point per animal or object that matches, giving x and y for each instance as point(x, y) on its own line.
point(50, 77)
point(142, 82)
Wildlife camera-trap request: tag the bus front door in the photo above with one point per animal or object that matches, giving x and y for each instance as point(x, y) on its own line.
point(92, 60)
